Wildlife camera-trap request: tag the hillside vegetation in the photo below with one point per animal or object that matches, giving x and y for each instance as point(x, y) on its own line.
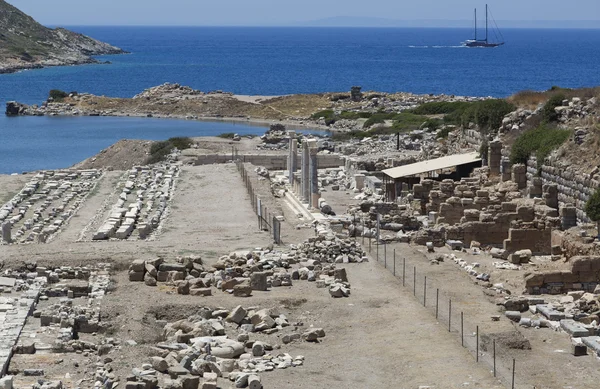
point(25, 44)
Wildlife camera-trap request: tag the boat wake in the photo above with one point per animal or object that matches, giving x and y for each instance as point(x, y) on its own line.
point(436, 47)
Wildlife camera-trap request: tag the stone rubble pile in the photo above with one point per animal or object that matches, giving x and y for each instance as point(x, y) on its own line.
point(142, 204)
point(242, 273)
point(166, 91)
point(221, 344)
point(576, 313)
point(576, 108)
point(45, 205)
point(54, 296)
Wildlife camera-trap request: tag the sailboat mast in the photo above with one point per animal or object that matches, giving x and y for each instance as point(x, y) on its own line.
point(486, 23)
point(475, 23)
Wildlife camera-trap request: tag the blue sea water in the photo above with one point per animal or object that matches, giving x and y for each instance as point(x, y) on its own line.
point(274, 61)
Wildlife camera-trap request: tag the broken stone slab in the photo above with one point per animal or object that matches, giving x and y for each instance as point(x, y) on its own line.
point(578, 349)
point(258, 281)
point(340, 274)
point(513, 315)
point(549, 312)
point(201, 292)
point(7, 281)
point(455, 244)
point(254, 382)
point(573, 328)
point(136, 276)
point(242, 290)
point(313, 334)
point(138, 265)
point(236, 315)
point(593, 342)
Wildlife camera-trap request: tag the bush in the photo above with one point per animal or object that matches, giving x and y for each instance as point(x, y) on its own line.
point(57, 94)
point(487, 114)
point(181, 142)
point(484, 150)
point(227, 135)
point(325, 114)
point(541, 140)
point(440, 107)
point(549, 114)
point(592, 206)
point(160, 150)
point(443, 134)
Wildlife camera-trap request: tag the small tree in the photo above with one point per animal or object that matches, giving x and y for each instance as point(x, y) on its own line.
point(592, 208)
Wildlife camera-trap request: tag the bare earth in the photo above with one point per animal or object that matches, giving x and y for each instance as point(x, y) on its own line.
point(379, 337)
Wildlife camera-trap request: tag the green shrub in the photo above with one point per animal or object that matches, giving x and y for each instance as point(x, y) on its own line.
point(227, 135)
point(487, 114)
point(440, 107)
point(443, 134)
point(325, 114)
point(484, 150)
point(354, 115)
point(159, 150)
point(541, 141)
point(378, 117)
point(592, 206)
point(549, 114)
point(57, 94)
point(181, 142)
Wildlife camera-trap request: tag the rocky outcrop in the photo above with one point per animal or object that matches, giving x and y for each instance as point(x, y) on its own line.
point(26, 44)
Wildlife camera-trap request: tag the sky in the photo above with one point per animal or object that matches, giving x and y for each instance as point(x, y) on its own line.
point(298, 12)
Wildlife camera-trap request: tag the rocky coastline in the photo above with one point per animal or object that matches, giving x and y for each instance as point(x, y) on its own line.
point(25, 44)
point(174, 101)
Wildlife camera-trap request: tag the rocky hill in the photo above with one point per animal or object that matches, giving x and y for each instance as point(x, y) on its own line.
point(26, 44)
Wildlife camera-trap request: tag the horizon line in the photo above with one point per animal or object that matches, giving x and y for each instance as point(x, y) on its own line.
point(324, 26)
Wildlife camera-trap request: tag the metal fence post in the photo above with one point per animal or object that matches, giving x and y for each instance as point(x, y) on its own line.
point(494, 345)
point(449, 315)
point(425, 292)
point(437, 302)
point(513, 374)
point(385, 255)
point(462, 330)
point(394, 262)
point(477, 347)
point(404, 272)
point(414, 280)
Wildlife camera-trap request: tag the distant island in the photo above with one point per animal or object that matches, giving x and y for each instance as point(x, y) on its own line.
point(26, 44)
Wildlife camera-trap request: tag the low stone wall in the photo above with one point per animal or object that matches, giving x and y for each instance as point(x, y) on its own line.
point(274, 162)
point(584, 274)
point(539, 241)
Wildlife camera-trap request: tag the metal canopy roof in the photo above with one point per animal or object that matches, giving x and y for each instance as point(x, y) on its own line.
point(432, 165)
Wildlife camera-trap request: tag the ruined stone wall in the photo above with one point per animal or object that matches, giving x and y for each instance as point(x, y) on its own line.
point(573, 187)
point(539, 241)
point(275, 162)
point(487, 233)
point(584, 274)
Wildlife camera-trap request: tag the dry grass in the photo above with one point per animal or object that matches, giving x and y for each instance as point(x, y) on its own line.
point(531, 99)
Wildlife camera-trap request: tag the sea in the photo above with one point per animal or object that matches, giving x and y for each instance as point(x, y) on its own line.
point(276, 61)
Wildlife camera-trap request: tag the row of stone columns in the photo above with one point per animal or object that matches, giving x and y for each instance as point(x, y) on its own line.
point(309, 175)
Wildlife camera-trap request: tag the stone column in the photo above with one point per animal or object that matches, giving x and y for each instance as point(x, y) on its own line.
point(6, 232)
point(494, 157)
point(551, 195)
point(519, 175)
point(314, 173)
point(568, 216)
point(305, 169)
point(292, 156)
point(359, 181)
point(535, 190)
point(505, 169)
